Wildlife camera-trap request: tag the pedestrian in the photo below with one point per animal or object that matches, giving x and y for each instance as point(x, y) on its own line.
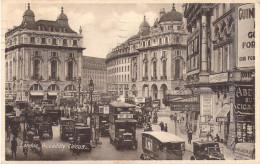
point(217, 138)
point(162, 126)
point(233, 144)
point(209, 135)
point(8, 131)
point(14, 146)
point(166, 128)
point(25, 147)
point(189, 136)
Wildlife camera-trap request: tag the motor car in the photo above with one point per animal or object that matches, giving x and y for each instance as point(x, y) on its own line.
point(207, 150)
point(157, 145)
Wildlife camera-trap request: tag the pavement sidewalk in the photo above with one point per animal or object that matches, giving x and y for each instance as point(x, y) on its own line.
point(182, 132)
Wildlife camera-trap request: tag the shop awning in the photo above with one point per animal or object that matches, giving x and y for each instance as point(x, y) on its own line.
point(36, 93)
point(52, 93)
point(224, 111)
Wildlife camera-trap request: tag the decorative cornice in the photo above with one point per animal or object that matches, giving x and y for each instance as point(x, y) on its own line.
point(43, 46)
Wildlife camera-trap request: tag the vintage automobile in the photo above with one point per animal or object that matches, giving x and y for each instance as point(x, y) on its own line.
point(159, 145)
point(81, 140)
point(207, 150)
point(54, 115)
point(45, 127)
point(105, 130)
point(244, 151)
point(14, 123)
point(67, 128)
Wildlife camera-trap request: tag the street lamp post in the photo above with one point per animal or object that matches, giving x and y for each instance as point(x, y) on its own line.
point(79, 81)
point(91, 89)
point(21, 91)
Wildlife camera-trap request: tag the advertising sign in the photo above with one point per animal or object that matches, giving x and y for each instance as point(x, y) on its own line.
point(125, 115)
point(245, 99)
point(206, 101)
point(106, 109)
point(185, 107)
point(246, 35)
point(156, 104)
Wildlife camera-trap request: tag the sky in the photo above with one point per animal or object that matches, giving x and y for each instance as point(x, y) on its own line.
point(104, 25)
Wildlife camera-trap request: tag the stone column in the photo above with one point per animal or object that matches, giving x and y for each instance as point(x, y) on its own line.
point(204, 40)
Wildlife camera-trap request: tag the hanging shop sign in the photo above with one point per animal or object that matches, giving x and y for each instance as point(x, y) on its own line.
point(245, 100)
point(246, 35)
point(183, 102)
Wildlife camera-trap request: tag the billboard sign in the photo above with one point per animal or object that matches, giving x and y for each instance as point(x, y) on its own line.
point(246, 35)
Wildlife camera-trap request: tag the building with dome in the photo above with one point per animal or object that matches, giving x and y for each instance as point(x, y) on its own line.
point(152, 62)
point(42, 59)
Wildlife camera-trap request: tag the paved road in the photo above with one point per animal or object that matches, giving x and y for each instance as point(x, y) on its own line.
point(55, 149)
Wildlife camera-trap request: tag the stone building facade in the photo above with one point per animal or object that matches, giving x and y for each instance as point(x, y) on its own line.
point(216, 72)
point(152, 62)
point(42, 59)
point(95, 69)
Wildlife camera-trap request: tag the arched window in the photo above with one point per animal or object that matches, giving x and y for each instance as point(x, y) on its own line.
point(53, 69)
point(177, 68)
point(70, 88)
point(149, 43)
point(70, 70)
point(53, 87)
point(160, 41)
point(36, 69)
point(164, 67)
point(145, 69)
point(36, 87)
point(154, 69)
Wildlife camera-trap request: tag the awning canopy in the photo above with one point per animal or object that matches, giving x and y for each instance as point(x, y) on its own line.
point(35, 93)
point(224, 111)
point(52, 93)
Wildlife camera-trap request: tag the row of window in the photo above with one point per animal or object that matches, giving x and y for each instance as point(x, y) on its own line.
point(119, 69)
point(54, 41)
point(120, 78)
point(52, 87)
point(170, 28)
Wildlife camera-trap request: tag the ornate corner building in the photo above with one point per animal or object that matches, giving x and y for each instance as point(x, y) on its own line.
point(152, 62)
point(42, 59)
point(221, 68)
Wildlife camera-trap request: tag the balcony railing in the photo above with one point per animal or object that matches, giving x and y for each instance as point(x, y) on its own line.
point(145, 78)
point(163, 77)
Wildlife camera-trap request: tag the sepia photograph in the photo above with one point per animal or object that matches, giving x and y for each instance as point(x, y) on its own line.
point(128, 81)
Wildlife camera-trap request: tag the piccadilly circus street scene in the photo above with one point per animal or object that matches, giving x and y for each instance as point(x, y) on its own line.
point(128, 81)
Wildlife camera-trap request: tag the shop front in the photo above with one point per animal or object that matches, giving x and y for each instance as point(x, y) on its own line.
point(36, 97)
point(245, 113)
point(187, 105)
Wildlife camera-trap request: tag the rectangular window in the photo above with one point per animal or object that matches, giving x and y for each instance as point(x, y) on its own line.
point(54, 41)
point(54, 54)
point(178, 27)
point(170, 27)
point(32, 39)
point(75, 42)
point(225, 59)
point(71, 55)
point(43, 40)
point(64, 41)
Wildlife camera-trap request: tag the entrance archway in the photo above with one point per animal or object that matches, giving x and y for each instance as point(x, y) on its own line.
point(163, 90)
point(145, 90)
point(154, 92)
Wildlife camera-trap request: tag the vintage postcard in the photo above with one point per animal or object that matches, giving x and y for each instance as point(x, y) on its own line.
point(119, 81)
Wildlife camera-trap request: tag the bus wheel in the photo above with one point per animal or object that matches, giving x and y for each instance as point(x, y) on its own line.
point(192, 158)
